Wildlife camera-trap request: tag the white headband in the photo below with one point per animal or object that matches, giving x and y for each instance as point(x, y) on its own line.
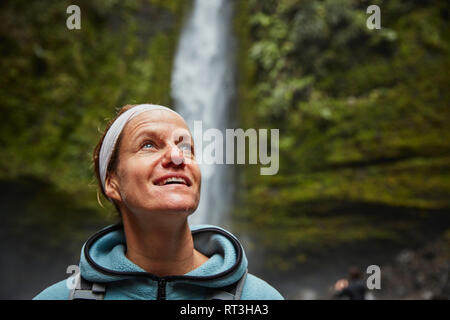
point(110, 140)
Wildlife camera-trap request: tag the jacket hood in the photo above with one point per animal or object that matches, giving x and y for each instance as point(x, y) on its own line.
point(103, 259)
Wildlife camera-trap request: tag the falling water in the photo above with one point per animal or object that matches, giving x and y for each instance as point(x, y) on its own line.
point(202, 89)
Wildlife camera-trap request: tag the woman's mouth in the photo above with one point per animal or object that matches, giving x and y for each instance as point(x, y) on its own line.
point(173, 179)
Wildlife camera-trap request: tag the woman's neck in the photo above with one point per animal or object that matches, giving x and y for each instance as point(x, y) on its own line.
point(162, 246)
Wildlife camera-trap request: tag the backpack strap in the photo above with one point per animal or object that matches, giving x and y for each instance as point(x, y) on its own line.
point(86, 290)
point(231, 292)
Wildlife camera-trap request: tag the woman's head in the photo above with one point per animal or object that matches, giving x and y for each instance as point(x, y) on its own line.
point(145, 162)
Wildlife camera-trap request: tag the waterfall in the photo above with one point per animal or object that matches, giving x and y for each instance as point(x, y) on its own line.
point(202, 89)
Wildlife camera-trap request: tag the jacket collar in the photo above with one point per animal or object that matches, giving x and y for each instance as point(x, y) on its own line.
point(103, 258)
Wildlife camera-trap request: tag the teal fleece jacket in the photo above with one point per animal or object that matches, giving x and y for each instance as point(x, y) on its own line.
point(103, 260)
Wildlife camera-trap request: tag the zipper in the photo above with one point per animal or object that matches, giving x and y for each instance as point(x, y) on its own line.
point(161, 289)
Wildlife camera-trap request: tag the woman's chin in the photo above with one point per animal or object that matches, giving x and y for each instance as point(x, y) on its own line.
point(172, 203)
point(182, 208)
point(178, 207)
point(174, 200)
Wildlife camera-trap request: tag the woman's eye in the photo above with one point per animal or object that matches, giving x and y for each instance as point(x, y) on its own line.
point(185, 147)
point(148, 145)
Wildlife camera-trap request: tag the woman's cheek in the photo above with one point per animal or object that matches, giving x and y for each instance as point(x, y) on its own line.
point(133, 178)
point(140, 171)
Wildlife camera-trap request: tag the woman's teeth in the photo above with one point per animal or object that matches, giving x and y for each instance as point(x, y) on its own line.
point(173, 180)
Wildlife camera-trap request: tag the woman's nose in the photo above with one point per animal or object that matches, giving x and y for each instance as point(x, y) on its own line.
point(173, 156)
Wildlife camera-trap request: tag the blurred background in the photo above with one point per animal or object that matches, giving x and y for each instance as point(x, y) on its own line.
point(363, 115)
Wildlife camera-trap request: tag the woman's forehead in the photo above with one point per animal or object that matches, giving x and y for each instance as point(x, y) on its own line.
point(159, 121)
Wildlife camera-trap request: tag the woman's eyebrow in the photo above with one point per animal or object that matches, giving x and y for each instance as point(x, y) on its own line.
point(139, 133)
point(146, 132)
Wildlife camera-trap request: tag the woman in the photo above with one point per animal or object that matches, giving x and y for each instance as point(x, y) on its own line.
point(145, 164)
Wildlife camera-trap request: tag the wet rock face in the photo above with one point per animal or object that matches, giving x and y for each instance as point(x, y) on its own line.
point(419, 274)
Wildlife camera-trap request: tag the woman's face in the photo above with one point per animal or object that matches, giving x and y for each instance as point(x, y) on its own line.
point(156, 171)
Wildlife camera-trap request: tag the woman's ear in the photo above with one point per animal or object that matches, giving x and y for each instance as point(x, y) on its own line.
point(112, 187)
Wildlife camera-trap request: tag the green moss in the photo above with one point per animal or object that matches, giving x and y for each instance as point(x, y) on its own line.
point(62, 85)
point(363, 121)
